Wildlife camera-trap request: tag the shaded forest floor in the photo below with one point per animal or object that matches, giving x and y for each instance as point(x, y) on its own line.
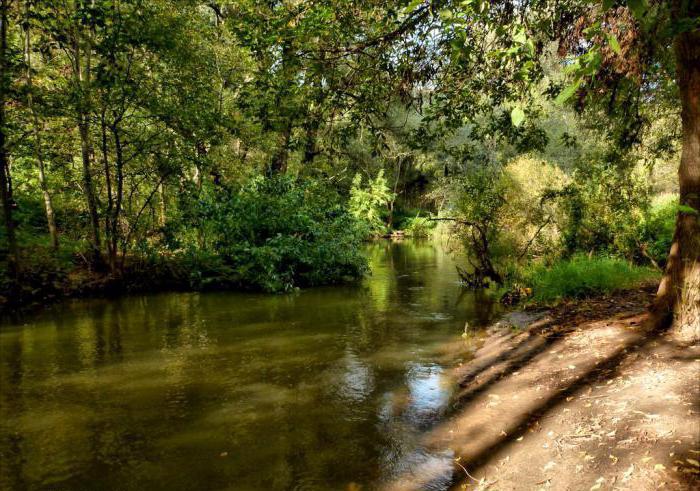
point(583, 399)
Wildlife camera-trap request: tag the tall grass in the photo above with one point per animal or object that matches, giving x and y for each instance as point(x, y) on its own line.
point(583, 276)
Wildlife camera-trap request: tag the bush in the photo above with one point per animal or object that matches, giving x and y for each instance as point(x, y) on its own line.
point(273, 234)
point(370, 205)
point(655, 232)
point(418, 226)
point(583, 276)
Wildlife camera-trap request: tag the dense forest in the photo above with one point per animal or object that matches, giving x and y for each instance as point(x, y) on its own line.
point(185, 144)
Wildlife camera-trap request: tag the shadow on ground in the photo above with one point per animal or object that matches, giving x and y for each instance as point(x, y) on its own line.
point(591, 399)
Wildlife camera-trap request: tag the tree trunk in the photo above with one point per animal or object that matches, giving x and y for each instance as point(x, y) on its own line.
point(281, 157)
point(5, 179)
point(678, 297)
point(118, 197)
point(82, 84)
point(89, 188)
point(111, 254)
point(310, 147)
point(162, 211)
point(38, 153)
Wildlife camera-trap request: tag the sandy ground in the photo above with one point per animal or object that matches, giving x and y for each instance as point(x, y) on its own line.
point(583, 399)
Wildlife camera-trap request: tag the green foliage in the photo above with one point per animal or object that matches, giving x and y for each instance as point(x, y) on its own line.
point(185, 106)
point(418, 226)
point(274, 234)
point(583, 276)
point(655, 231)
point(602, 206)
point(370, 204)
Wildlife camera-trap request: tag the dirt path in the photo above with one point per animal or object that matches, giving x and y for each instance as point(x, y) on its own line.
point(583, 399)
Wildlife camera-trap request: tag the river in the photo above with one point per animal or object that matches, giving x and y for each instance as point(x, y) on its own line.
point(327, 388)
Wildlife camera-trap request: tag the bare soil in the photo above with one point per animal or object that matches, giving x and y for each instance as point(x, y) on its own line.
point(586, 398)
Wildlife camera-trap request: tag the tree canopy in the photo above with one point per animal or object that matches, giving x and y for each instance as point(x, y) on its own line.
point(238, 135)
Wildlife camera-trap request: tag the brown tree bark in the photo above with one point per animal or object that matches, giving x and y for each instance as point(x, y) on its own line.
point(678, 296)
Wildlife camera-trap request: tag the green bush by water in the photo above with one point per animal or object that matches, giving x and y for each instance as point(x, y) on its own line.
point(583, 276)
point(418, 226)
point(275, 234)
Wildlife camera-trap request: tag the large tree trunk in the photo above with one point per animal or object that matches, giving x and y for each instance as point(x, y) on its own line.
point(678, 297)
point(38, 152)
point(5, 180)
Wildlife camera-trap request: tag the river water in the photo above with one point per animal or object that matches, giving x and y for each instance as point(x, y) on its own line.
point(327, 388)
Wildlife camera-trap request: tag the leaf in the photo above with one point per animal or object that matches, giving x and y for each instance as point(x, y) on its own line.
point(566, 94)
point(520, 37)
point(638, 8)
point(598, 484)
point(687, 209)
point(693, 462)
point(614, 44)
point(517, 116)
point(412, 6)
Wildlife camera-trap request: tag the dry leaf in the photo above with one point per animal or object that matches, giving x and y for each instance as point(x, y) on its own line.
point(598, 484)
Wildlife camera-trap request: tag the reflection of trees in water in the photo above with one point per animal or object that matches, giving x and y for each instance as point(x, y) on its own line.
point(293, 384)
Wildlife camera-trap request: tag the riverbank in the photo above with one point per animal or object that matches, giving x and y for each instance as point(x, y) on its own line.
point(41, 287)
point(583, 398)
point(45, 282)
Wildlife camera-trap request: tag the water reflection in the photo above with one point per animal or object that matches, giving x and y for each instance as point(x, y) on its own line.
point(314, 390)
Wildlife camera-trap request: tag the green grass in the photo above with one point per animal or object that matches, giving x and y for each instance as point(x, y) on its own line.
point(582, 276)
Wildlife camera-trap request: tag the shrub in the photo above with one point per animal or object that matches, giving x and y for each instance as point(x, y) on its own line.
point(655, 232)
point(418, 226)
point(583, 276)
point(273, 234)
point(369, 204)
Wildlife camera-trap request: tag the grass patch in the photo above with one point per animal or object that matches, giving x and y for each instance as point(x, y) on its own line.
point(583, 276)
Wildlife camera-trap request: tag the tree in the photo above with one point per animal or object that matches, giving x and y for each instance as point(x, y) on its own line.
point(36, 127)
point(622, 56)
point(5, 177)
point(679, 291)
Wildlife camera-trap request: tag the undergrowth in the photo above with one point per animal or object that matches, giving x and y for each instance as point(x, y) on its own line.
point(583, 276)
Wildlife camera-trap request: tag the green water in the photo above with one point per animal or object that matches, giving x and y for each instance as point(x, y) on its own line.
point(327, 388)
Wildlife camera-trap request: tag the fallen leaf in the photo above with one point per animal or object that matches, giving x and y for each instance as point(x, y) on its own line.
point(598, 484)
point(628, 473)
